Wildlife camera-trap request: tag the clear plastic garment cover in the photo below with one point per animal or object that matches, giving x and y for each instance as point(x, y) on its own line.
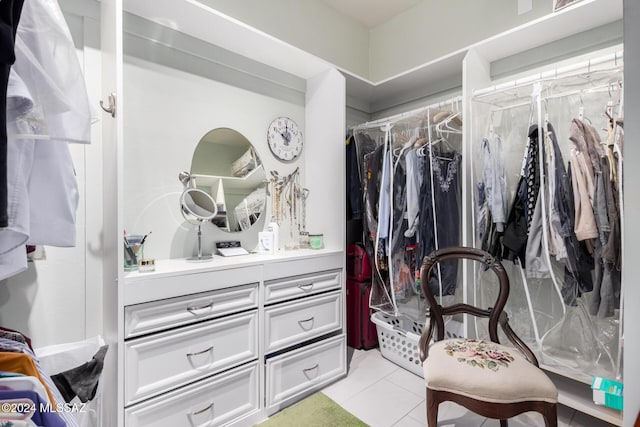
point(547, 179)
point(410, 170)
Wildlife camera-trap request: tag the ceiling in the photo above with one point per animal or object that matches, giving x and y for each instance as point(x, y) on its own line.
point(371, 13)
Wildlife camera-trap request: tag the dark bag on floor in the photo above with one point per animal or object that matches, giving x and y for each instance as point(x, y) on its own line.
point(361, 331)
point(358, 266)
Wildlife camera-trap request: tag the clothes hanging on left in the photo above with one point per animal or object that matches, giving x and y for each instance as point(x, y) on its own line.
point(47, 107)
point(9, 17)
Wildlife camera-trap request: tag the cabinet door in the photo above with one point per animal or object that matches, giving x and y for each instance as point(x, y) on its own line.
point(291, 323)
point(161, 362)
point(299, 372)
point(214, 401)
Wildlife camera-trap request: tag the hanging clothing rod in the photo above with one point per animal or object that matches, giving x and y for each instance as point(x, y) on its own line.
point(610, 87)
point(392, 119)
point(558, 73)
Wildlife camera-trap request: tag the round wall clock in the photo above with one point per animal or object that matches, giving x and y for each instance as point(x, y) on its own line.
point(285, 139)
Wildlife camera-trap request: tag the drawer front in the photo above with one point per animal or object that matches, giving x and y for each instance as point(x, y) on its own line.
point(158, 315)
point(323, 260)
point(159, 362)
point(298, 372)
point(300, 286)
point(214, 401)
point(291, 323)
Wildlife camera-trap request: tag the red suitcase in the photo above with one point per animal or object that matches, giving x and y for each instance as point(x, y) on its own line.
point(361, 331)
point(358, 266)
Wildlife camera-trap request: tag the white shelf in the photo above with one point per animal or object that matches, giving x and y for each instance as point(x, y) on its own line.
point(578, 396)
point(248, 182)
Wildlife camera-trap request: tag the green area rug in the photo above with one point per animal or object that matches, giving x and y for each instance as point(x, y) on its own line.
point(316, 410)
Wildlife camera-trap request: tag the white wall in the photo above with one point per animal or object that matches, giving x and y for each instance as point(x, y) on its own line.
point(308, 24)
point(424, 32)
point(169, 112)
point(435, 28)
point(325, 160)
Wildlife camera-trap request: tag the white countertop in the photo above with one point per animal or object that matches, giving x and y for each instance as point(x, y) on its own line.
point(179, 266)
point(176, 277)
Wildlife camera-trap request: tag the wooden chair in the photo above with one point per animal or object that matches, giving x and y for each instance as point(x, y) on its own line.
point(485, 377)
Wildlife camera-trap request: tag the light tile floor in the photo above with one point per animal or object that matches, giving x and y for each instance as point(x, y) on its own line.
point(383, 394)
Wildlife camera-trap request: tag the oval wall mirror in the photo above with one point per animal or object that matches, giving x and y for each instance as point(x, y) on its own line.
point(226, 166)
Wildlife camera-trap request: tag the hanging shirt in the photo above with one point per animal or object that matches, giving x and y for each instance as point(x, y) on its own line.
point(413, 183)
point(583, 175)
point(536, 262)
point(384, 207)
point(20, 152)
point(495, 182)
point(47, 61)
point(353, 188)
point(519, 221)
point(9, 17)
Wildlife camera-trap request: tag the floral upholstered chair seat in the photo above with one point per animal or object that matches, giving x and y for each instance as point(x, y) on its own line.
point(485, 371)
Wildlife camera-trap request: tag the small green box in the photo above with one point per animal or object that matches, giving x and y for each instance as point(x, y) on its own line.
point(607, 392)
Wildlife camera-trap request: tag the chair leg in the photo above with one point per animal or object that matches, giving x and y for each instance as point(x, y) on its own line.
point(432, 409)
point(550, 414)
point(504, 423)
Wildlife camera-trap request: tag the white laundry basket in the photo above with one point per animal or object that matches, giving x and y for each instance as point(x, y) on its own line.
point(398, 339)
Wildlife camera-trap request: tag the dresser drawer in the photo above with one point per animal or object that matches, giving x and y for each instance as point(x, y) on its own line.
point(157, 363)
point(214, 401)
point(291, 323)
point(154, 316)
point(301, 371)
point(300, 286)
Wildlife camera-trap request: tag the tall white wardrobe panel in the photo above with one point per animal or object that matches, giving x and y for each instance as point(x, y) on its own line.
point(631, 271)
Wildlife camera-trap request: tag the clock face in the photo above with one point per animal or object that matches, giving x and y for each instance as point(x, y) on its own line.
point(285, 139)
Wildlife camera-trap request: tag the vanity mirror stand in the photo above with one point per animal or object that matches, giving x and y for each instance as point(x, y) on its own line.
point(197, 207)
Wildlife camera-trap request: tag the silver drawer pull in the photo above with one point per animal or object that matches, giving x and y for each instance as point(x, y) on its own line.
point(200, 352)
point(193, 310)
point(300, 322)
point(202, 410)
point(306, 371)
point(306, 287)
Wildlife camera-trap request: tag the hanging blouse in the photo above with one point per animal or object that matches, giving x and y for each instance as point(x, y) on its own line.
point(585, 164)
point(47, 62)
point(517, 228)
point(20, 153)
point(495, 182)
point(9, 17)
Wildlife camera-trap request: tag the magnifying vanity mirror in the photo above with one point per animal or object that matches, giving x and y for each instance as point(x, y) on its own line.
point(226, 167)
point(197, 207)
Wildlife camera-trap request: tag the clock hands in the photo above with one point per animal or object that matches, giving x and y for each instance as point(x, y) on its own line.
point(286, 135)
